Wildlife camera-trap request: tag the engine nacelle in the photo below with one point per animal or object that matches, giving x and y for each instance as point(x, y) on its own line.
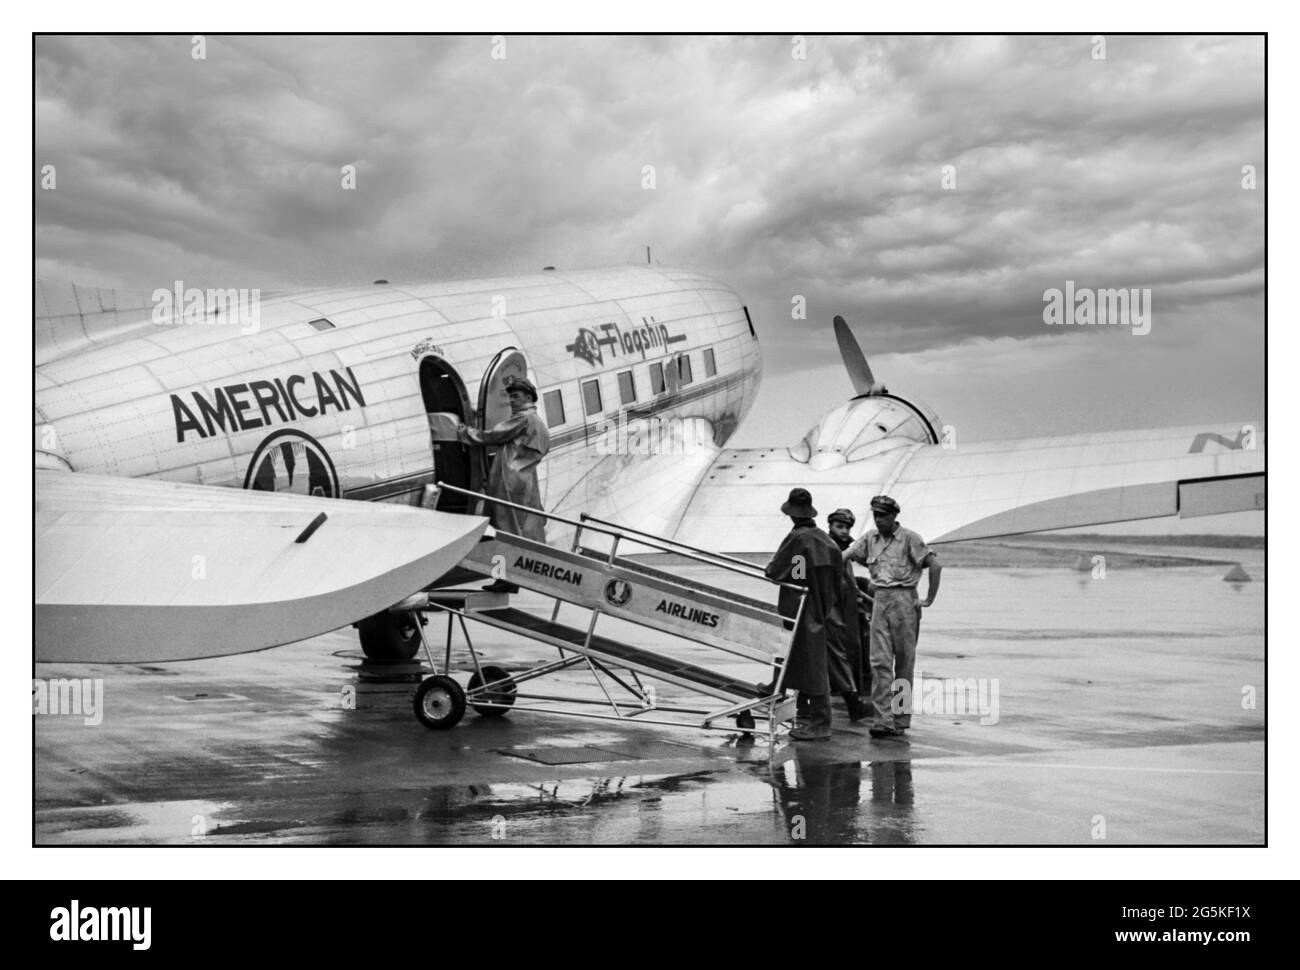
point(867, 426)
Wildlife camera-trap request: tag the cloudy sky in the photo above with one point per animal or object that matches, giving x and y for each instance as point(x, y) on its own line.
point(820, 177)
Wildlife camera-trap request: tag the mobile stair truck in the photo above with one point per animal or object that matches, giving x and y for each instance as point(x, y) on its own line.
point(596, 578)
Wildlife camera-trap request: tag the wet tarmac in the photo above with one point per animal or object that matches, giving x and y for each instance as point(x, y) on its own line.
point(1123, 710)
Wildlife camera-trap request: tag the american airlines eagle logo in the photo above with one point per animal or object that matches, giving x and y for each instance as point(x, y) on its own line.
point(618, 592)
point(291, 461)
point(586, 346)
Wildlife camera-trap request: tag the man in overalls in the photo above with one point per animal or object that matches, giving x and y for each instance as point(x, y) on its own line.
point(895, 557)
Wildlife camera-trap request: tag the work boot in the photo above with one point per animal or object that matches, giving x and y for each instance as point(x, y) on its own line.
point(818, 713)
point(858, 709)
point(884, 732)
point(500, 586)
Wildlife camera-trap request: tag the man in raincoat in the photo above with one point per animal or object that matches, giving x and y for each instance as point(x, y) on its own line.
point(807, 557)
point(523, 442)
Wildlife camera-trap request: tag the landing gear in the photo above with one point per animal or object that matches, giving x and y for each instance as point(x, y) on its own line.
point(390, 636)
point(501, 693)
point(439, 703)
point(745, 721)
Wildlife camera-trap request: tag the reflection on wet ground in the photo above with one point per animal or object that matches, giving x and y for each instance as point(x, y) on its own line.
point(790, 796)
point(804, 800)
point(846, 803)
point(1120, 699)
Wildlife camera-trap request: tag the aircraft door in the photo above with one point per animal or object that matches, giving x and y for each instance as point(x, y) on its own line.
point(444, 392)
point(493, 401)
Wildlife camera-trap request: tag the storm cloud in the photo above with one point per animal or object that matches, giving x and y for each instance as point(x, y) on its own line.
point(930, 189)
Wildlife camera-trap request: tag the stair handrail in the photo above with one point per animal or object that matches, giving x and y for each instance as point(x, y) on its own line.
point(750, 570)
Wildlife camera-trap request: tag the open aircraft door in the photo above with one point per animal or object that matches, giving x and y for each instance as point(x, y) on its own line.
point(390, 636)
point(444, 395)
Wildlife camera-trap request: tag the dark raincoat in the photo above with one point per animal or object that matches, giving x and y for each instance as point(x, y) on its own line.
point(843, 656)
point(861, 661)
point(821, 572)
point(850, 659)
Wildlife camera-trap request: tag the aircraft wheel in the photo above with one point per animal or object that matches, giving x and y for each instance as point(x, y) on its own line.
point(390, 636)
point(439, 703)
point(502, 694)
point(745, 721)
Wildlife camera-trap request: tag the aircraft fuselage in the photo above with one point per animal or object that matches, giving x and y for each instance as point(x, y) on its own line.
point(327, 393)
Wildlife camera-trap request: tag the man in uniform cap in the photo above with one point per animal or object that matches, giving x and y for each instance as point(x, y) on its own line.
point(807, 557)
point(853, 656)
point(524, 442)
point(895, 557)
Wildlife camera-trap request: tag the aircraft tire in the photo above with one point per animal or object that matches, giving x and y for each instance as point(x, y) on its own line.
point(502, 695)
point(439, 703)
point(390, 636)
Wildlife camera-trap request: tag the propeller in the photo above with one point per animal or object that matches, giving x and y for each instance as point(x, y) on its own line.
point(855, 362)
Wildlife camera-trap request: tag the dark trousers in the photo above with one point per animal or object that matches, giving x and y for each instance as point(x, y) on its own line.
point(814, 709)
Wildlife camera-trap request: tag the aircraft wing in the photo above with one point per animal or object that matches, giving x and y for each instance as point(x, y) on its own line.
point(976, 491)
point(648, 491)
point(141, 570)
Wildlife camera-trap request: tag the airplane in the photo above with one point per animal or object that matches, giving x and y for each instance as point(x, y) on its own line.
point(205, 489)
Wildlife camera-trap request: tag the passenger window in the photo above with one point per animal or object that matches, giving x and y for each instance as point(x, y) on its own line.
point(710, 368)
point(554, 401)
point(591, 396)
point(626, 388)
point(657, 378)
point(684, 369)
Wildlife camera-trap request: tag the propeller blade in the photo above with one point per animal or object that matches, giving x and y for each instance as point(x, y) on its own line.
point(855, 362)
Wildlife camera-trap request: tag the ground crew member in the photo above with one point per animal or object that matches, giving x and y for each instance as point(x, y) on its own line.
point(854, 654)
point(524, 442)
point(895, 557)
point(808, 557)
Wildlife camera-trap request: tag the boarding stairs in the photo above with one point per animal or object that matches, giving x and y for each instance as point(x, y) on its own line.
point(595, 578)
